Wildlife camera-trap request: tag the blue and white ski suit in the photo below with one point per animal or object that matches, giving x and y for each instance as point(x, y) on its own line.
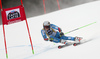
point(54, 33)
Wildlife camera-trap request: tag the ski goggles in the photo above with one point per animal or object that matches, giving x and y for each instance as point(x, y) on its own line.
point(46, 26)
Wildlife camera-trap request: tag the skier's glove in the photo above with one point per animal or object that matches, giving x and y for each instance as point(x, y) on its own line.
point(51, 39)
point(61, 34)
point(46, 39)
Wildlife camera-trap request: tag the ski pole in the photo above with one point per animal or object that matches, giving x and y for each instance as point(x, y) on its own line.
point(79, 28)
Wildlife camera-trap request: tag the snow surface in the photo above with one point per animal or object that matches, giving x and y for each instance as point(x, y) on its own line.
point(18, 43)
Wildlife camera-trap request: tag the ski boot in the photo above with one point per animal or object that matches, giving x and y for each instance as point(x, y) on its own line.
point(65, 44)
point(63, 41)
point(77, 40)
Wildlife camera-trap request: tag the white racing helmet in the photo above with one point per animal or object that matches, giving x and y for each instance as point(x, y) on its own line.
point(46, 24)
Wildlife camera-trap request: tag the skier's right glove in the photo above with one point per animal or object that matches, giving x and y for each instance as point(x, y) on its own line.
point(46, 39)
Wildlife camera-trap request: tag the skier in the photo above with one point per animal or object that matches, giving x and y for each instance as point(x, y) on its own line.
point(53, 33)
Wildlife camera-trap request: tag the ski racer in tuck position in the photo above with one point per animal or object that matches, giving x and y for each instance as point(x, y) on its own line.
point(53, 33)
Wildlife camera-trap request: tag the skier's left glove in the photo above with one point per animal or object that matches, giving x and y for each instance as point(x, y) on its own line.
point(60, 31)
point(61, 34)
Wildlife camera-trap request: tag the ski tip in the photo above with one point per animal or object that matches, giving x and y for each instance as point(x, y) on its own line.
point(59, 47)
point(74, 44)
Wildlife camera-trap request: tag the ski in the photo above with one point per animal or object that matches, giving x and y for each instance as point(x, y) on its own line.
point(82, 42)
point(62, 46)
point(75, 44)
point(68, 44)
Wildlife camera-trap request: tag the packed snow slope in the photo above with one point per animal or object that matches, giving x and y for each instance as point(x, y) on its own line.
point(18, 43)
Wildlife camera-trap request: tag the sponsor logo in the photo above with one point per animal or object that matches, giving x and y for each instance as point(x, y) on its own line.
point(13, 14)
point(10, 22)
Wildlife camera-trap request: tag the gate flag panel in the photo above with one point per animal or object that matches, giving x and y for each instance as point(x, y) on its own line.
point(13, 15)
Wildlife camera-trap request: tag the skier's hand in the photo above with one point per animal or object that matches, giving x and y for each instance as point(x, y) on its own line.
point(61, 33)
point(51, 39)
point(46, 39)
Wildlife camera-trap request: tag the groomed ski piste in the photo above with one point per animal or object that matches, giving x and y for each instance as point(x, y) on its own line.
point(18, 42)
